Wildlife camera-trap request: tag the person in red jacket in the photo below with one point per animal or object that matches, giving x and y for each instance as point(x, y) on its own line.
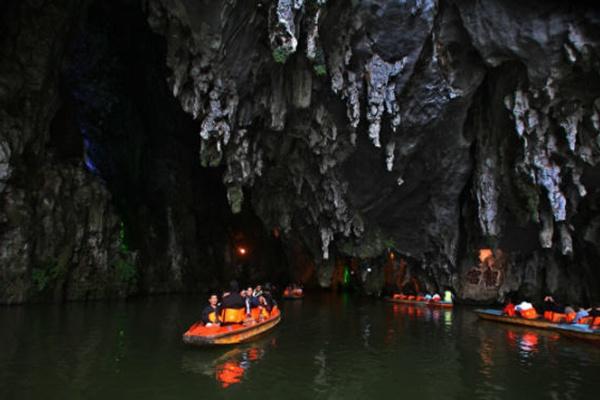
point(509, 308)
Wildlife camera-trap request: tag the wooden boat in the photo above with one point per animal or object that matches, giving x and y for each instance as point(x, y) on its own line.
point(200, 335)
point(292, 297)
point(440, 304)
point(570, 330)
point(579, 331)
point(497, 315)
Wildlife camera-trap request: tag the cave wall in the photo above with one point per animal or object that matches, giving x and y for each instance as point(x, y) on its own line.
point(336, 131)
point(433, 128)
point(58, 227)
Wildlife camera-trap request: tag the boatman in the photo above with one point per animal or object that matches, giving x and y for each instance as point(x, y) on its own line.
point(210, 314)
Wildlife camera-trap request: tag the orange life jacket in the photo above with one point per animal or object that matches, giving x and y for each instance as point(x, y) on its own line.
point(596, 322)
point(233, 315)
point(570, 317)
point(398, 296)
point(212, 317)
point(557, 318)
point(585, 320)
point(529, 314)
point(410, 298)
point(420, 298)
point(548, 315)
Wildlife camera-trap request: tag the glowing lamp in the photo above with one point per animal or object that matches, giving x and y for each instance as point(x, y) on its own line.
point(242, 251)
point(484, 254)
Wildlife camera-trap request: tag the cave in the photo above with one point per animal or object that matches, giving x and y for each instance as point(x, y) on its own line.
point(154, 147)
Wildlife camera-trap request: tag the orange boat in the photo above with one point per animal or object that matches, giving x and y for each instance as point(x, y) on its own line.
point(416, 301)
point(200, 335)
point(292, 294)
point(571, 330)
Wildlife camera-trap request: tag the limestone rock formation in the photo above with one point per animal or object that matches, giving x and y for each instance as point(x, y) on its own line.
point(450, 142)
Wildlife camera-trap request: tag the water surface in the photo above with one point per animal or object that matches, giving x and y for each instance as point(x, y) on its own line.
point(327, 346)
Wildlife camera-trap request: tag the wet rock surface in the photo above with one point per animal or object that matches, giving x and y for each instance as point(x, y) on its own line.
point(429, 130)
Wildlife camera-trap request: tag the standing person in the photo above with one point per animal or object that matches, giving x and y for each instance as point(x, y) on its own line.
point(210, 314)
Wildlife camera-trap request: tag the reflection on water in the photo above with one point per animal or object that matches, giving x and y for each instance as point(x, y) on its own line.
point(228, 368)
point(326, 347)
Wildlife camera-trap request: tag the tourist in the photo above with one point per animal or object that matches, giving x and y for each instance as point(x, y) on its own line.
point(448, 297)
point(436, 297)
point(581, 313)
point(210, 314)
point(526, 310)
point(550, 304)
point(253, 300)
point(569, 310)
point(509, 308)
point(268, 298)
point(233, 299)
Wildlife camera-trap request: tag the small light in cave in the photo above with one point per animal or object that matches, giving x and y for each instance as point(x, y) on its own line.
point(276, 232)
point(392, 255)
point(484, 254)
point(242, 251)
point(369, 269)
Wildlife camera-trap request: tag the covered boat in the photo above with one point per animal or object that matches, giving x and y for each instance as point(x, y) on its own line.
point(200, 335)
point(579, 331)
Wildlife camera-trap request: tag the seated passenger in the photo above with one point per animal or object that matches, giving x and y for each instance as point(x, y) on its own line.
point(509, 308)
point(428, 297)
point(526, 310)
point(448, 297)
point(210, 314)
point(581, 313)
point(233, 299)
point(436, 297)
point(595, 314)
point(257, 291)
point(549, 304)
point(253, 300)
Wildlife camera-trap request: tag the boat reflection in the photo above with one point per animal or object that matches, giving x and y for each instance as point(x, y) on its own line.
point(229, 368)
point(436, 315)
point(528, 341)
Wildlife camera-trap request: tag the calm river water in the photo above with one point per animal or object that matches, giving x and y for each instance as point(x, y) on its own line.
point(328, 346)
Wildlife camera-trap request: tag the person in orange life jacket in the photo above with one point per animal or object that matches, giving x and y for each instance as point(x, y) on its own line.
point(525, 309)
point(581, 313)
point(551, 305)
point(233, 299)
point(210, 314)
point(509, 308)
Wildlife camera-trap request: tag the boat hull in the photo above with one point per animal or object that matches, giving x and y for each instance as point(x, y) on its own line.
point(574, 331)
point(198, 335)
point(439, 304)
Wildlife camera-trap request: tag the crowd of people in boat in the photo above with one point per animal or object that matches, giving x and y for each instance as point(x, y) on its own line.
point(554, 312)
point(428, 297)
point(293, 290)
point(235, 306)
